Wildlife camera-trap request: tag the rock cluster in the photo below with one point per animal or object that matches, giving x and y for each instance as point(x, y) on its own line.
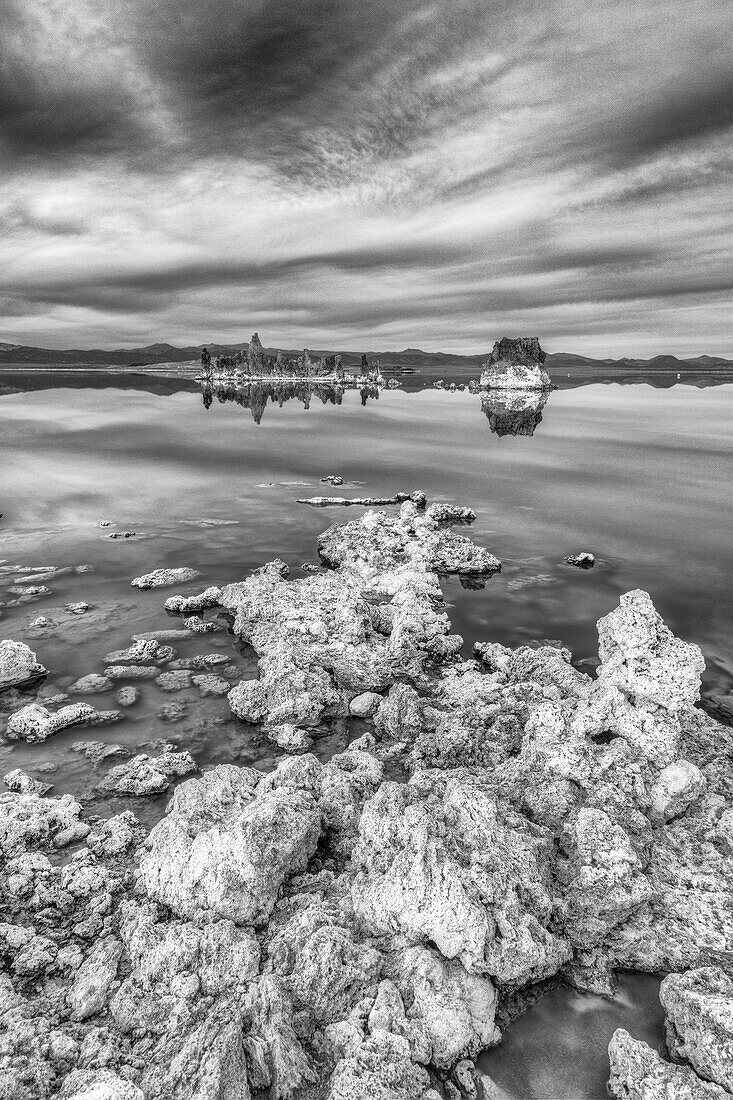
point(351, 928)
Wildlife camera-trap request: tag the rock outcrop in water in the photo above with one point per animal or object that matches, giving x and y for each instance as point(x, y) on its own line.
point(516, 365)
point(349, 929)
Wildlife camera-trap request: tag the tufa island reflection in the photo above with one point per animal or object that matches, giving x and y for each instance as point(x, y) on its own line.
point(513, 387)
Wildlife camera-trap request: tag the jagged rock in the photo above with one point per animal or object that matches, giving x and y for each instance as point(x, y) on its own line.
point(36, 723)
point(30, 821)
point(638, 1073)
point(454, 1008)
point(432, 853)
point(18, 665)
point(149, 652)
point(163, 578)
point(17, 780)
point(146, 775)
point(381, 1068)
point(516, 364)
point(93, 684)
point(698, 1007)
point(642, 658)
point(224, 849)
point(333, 479)
point(115, 836)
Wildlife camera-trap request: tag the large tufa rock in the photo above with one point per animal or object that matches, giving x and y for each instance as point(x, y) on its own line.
point(698, 1007)
point(18, 665)
point(638, 1073)
point(516, 365)
point(226, 848)
point(440, 860)
point(643, 659)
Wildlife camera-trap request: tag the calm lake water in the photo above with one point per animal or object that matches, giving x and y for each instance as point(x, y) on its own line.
point(638, 475)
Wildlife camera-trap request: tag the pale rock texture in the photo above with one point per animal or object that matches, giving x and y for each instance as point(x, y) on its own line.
point(638, 1073)
point(36, 723)
point(226, 851)
point(163, 578)
point(18, 665)
point(698, 1007)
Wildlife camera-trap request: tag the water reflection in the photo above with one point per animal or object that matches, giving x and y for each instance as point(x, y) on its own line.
point(256, 395)
point(513, 412)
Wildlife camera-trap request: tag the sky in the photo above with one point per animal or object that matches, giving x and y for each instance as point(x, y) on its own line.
point(368, 174)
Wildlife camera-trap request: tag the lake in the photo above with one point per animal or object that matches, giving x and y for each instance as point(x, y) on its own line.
point(637, 474)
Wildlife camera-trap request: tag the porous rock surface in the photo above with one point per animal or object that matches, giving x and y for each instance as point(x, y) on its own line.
point(18, 664)
point(349, 929)
point(163, 578)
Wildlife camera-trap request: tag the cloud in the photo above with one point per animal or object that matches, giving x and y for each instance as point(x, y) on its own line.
point(420, 172)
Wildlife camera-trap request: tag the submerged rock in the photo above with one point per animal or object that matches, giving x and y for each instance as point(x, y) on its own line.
point(18, 665)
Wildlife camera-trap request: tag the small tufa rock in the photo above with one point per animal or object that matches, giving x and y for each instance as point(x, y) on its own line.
point(365, 705)
point(289, 738)
point(164, 578)
point(23, 784)
point(127, 696)
point(36, 723)
point(583, 560)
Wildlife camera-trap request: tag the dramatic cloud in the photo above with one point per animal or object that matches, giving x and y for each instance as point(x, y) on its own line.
point(340, 173)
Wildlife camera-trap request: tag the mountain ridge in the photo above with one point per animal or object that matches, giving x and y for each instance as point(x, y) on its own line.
point(157, 353)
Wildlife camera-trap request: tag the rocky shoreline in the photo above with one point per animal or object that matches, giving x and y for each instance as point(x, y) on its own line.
point(355, 928)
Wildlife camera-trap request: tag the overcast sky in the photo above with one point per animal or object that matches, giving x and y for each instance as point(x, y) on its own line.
point(368, 173)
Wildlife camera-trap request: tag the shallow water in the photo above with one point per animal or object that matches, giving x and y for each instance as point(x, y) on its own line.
point(559, 1047)
point(638, 475)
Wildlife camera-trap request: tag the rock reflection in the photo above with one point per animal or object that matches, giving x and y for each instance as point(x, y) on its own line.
point(513, 412)
point(256, 395)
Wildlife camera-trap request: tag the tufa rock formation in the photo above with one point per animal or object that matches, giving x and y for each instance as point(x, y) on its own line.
point(516, 365)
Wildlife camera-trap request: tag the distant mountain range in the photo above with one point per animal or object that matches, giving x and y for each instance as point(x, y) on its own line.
point(152, 354)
